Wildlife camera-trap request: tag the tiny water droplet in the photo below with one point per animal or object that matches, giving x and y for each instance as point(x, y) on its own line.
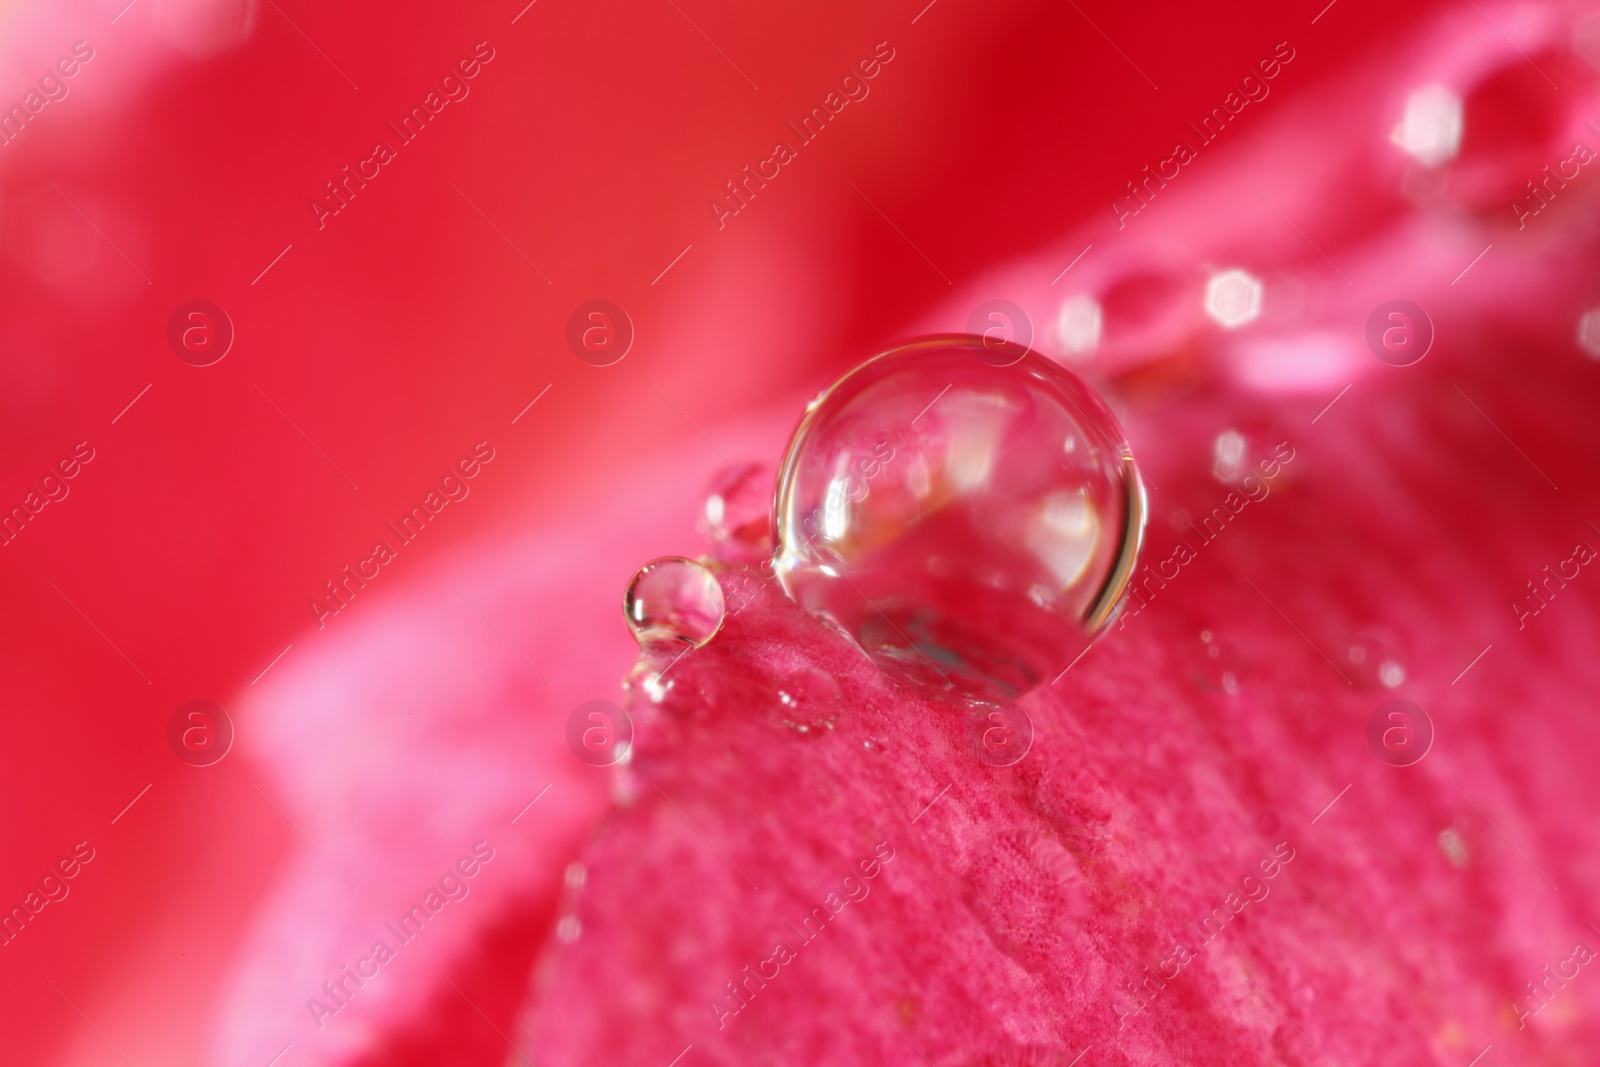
point(1253, 457)
point(569, 929)
point(575, 875)
point(648, 679)
point(673, 599)
point(809, 689)
point(810, 701)
point(1223, 665)
point(967, 524)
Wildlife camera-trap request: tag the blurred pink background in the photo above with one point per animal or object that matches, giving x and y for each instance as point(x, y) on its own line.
point(377, 350)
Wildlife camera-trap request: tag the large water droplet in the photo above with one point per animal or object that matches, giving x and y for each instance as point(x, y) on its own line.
point(971, 524)
point(673, 599)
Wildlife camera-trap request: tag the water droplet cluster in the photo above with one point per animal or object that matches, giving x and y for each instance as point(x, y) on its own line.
point(967, 517)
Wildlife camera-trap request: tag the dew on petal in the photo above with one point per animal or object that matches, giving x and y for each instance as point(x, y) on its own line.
point(809, 700)
point(1233, 298)
point(1430, 132)
point(673, 599)
point(1223, 665)
point(967, 523)
point(810, 690)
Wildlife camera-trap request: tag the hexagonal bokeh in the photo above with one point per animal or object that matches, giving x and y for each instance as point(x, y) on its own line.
point(1233, 298)
point(1430, 132)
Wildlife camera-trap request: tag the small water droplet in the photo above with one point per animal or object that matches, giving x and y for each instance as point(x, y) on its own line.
point(1374, 658)
point(968, 524)
point(569, 929)
point(575, 875)
point(1454, 847)
point(810, 701)
point(648, 679)
point(738, 513)
point(1223, 664)
point(810, 688)
point(673, 599)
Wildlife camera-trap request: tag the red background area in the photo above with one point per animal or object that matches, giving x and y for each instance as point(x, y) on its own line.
point(408, 328)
